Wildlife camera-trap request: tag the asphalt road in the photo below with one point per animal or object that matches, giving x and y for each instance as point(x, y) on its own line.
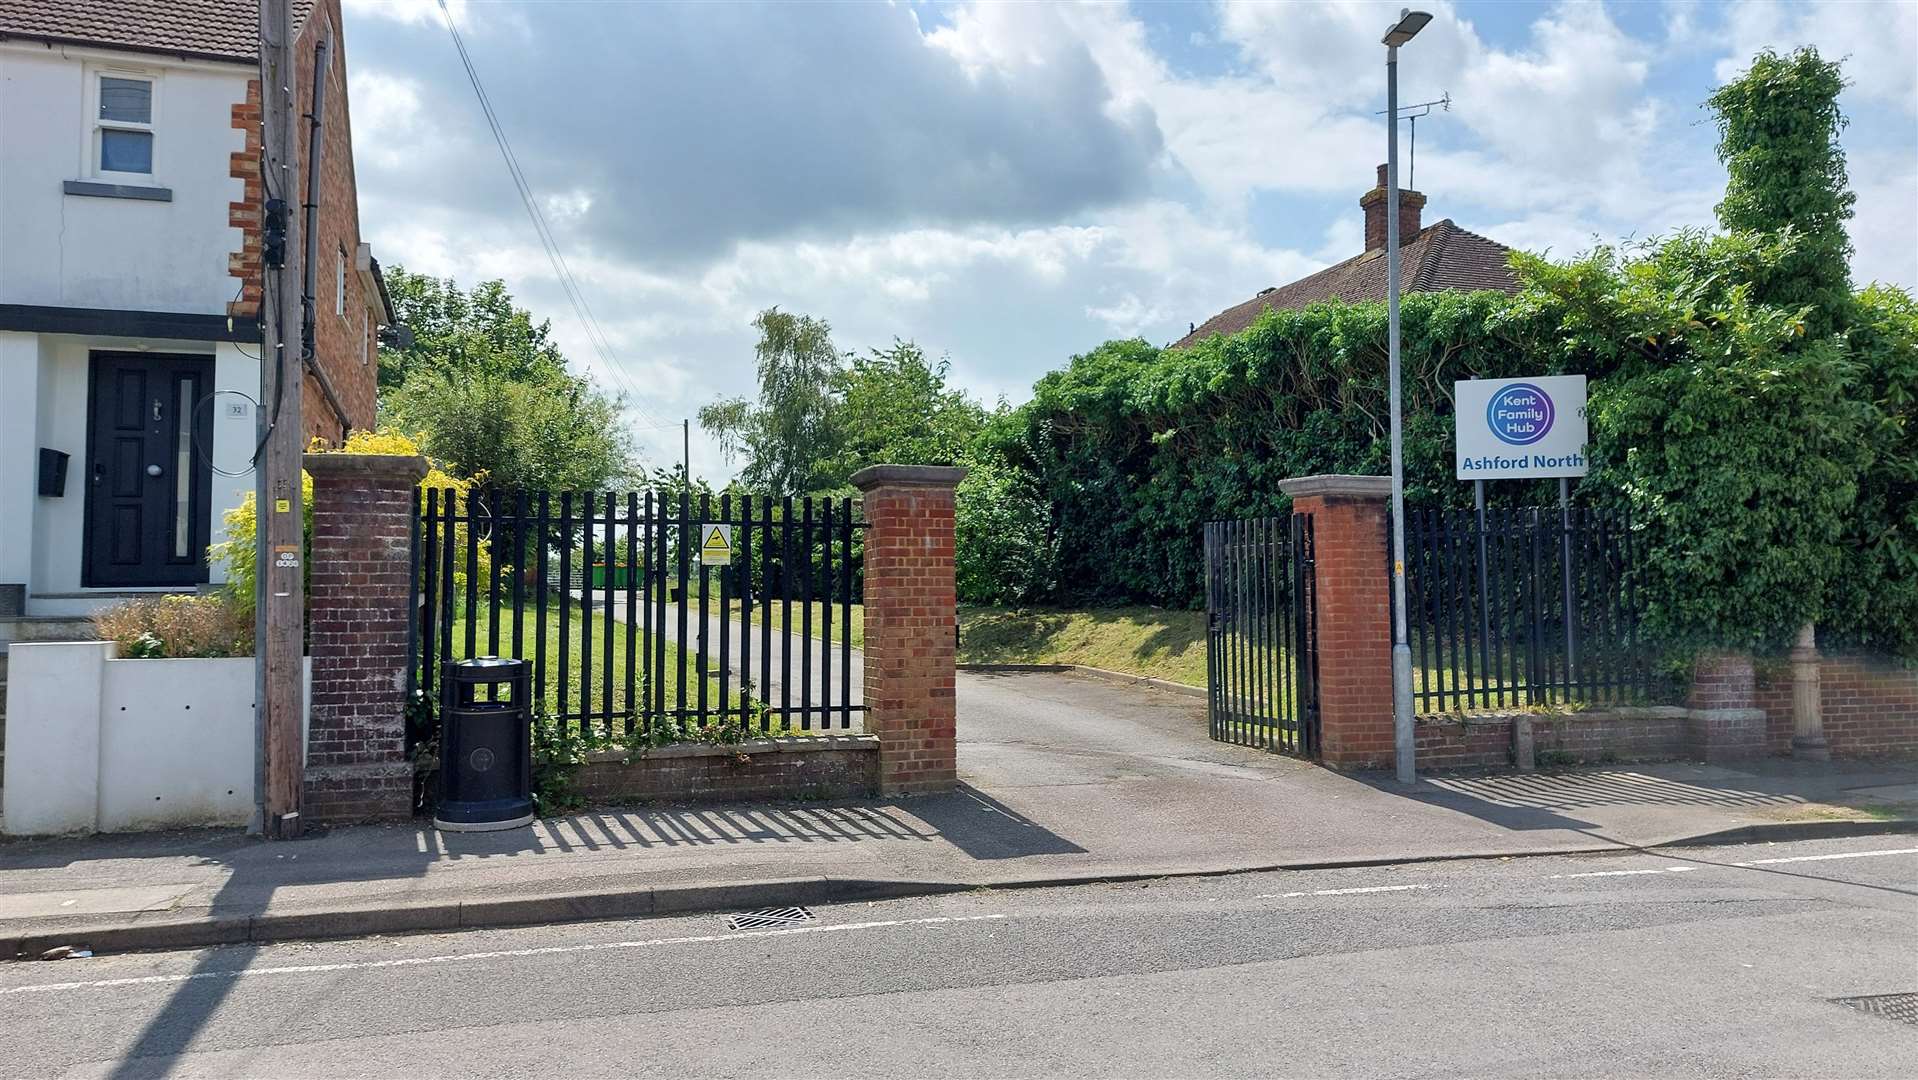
point(1677, 964)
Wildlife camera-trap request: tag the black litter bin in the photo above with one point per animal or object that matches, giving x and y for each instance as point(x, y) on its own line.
point(486, 746)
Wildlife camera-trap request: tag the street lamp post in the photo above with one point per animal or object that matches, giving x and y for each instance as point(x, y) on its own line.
point(1408, 26)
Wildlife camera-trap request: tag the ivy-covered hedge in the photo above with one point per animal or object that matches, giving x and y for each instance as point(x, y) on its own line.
point(1137, 447)
point(1771, 474)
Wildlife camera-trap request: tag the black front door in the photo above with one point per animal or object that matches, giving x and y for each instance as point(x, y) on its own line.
point(149, 472)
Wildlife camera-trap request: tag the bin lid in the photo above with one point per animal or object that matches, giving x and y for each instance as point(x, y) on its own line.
point(488, 662)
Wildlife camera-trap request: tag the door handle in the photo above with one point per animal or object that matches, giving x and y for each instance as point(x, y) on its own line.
point(153, 470)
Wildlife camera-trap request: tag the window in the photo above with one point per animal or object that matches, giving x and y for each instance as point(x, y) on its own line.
point(122, 133)
point(339, 283)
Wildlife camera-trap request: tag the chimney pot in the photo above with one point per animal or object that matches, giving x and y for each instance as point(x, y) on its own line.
point(1373, 203)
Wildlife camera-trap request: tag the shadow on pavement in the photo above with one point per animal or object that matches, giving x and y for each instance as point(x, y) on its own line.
point(1546, 800)
point(984, 828)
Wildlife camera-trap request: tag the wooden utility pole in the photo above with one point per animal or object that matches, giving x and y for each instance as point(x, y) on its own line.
point(280, 599)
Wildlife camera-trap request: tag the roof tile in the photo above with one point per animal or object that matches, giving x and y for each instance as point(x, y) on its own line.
point(216, 29)
point(1442, 256)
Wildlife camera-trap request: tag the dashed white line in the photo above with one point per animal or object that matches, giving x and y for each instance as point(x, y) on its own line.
point(1628, 873)
point(454, 958)
point(1837, 855)
point(1341, 892)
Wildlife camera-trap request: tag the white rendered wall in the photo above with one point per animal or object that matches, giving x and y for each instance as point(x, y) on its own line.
point(97, 744)
point(19, 458)
point(125, 254)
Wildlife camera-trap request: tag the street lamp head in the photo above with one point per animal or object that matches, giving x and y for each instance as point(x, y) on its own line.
point(1407, 28)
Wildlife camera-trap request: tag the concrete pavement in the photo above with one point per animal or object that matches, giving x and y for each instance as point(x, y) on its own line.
point(1066, 779)
point(1724, 961)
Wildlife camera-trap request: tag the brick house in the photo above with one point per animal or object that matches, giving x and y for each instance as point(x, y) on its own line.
point(1432, 258)
point(130, 283)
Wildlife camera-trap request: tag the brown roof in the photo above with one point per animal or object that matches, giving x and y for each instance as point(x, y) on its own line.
point(1441, 256)
point(208, 29)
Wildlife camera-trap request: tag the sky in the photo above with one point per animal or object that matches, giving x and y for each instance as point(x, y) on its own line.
point(1011, 184)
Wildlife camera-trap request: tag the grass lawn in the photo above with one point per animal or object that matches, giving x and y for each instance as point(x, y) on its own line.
point(1160, 642)
point(1163, 643)
point(596, 665)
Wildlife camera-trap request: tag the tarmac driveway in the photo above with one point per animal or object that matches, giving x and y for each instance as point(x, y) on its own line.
point(1047, 729)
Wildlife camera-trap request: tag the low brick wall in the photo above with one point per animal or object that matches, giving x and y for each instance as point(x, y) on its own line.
point(1870, 706)
point(803, 767)
point(1484, 740)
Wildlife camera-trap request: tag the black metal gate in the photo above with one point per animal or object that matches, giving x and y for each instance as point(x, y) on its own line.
point(1262, 634)
point(1525, 608)
point(637, 619)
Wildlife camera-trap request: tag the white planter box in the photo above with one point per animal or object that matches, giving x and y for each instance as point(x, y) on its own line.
point(99, 744)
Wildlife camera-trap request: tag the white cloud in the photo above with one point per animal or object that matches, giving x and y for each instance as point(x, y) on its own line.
point(406, 11)
point(1877, 41)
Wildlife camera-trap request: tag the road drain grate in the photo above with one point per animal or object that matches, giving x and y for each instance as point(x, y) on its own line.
point(1900, 1007)
point(766, 918)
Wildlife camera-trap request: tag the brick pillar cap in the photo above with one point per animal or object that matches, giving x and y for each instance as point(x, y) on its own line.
point(1338, 486)
point(400, 467)
point(937, 476)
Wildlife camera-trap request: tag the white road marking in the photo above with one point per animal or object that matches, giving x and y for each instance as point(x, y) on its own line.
point(1340, 892)
point(1839, 855)
point(453, 958)
point(1628, 873)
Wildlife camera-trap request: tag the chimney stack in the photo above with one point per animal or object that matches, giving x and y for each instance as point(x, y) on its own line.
point(1373, 203)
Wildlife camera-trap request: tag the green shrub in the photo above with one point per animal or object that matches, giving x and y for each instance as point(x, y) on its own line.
point(1002, 544)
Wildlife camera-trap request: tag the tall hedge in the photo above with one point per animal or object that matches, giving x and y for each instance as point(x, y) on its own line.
point(1770, 473)
point(1137, 447)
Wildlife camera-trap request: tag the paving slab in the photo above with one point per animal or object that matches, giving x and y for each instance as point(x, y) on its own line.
point(1065, 778)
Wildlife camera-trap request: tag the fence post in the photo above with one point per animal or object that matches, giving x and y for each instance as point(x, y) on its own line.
point(360, 619)
point(911, 608)
point(1353, 577)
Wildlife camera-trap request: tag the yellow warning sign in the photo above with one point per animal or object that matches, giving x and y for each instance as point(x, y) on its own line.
point(715, 545)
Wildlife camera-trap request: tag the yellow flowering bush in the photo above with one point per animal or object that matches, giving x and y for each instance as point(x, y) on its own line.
point(236, 552)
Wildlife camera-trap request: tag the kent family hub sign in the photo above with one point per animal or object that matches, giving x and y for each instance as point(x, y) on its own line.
point(1521, 429)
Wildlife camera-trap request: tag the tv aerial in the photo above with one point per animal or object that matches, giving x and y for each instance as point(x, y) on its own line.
point(1412, 113)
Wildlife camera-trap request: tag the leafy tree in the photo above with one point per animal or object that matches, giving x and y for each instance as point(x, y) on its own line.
point(487, 391)
point(467, 333)
point(894, 406)
point(557, 433)
point(1778, 130)
point(788, 436)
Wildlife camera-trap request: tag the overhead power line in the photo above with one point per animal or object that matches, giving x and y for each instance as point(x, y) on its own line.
point(595, 335)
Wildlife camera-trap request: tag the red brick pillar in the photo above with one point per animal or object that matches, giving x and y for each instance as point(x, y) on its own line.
point(910, 629)
point(358, 617)
point(1726, 722)
point(1350, 547)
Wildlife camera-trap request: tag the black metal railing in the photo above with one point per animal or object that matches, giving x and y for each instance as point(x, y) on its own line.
point(627, 626)
point(1536, 606)
point(1262, 634)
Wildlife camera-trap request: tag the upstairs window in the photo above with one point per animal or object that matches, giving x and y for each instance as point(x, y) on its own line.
point(123, 125)
point(339, 284)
